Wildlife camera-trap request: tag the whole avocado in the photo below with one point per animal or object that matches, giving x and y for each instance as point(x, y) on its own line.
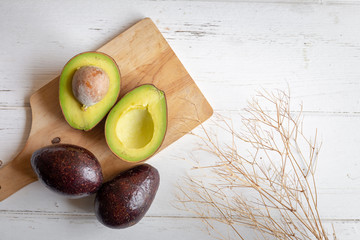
point(68, 169)
point(123, 201)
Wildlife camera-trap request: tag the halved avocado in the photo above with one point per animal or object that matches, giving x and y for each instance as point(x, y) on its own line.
point(136, 126)
point(76, 113)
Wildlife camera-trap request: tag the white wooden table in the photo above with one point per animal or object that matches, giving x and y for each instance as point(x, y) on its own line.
point(231, 49)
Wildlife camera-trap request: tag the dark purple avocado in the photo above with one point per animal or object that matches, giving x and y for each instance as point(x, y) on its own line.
point(68, 169)
point(123, 201)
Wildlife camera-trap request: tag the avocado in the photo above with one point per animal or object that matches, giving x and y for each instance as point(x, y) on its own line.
point(68, 169)
point(89, 87)
point(136, 126)
point(124, 200)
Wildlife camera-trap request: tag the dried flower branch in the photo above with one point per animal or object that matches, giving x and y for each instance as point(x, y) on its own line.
point(263, 178)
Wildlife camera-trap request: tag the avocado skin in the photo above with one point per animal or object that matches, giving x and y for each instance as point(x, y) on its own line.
point(124, 200)
point(70, 170)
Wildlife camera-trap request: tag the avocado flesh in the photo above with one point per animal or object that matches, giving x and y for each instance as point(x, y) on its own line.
point(73, 110)
point(136, 126)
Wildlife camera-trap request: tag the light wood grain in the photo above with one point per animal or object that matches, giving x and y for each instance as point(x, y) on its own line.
point(143, 56)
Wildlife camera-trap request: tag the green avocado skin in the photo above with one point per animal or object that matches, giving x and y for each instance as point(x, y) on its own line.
point(124, 200)
point(70, 170)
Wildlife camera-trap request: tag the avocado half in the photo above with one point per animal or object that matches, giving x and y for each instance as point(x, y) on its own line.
point(135, 128)
point(74, 112)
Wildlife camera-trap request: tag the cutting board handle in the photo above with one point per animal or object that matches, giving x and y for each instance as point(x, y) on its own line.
point(16, 174)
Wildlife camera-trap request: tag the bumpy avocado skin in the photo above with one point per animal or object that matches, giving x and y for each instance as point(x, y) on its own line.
point(70, 170)
point(123, 201)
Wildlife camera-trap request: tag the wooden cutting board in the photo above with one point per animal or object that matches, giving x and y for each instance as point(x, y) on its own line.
point(143, 56)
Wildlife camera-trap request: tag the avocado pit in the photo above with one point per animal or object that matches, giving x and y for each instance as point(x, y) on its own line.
point(90, 84)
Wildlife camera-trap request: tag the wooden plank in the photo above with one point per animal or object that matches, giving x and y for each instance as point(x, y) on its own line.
point(41, 225)
point(311, 48)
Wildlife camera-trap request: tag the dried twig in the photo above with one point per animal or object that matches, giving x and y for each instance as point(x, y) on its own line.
point(276, 173)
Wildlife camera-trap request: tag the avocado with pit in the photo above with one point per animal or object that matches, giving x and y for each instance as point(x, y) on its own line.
point(135, 128)
point(124, 200)
point(70, 170)
point(89, 87)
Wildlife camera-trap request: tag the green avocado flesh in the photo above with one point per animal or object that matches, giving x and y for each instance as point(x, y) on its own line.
point(136, 126)
point(73, 110)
